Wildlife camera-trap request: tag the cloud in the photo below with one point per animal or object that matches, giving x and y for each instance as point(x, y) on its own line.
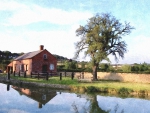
point(60, 42)
point(16, 111)
point(119, 104)
point(21, 39)
point(23, 14)
point(138, 50)
point(10, 5)
point(140, 45)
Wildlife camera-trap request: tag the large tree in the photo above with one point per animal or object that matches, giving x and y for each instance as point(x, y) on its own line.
point(100, 37)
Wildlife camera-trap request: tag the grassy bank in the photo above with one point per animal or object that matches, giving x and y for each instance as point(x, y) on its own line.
point(97, 86)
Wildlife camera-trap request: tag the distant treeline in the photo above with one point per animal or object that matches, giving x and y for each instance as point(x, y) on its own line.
point(104, 67)
point(126, 68)
point(59, 58)
point(6, 57)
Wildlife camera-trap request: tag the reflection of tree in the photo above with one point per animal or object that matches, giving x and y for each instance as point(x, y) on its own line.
point(75, 107)
point(116, 109)
point(95, 107)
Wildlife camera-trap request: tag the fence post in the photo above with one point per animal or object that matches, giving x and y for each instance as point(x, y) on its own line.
point(60, 76)
point(14, 73)
point(72, 75)
point(65, 73)
point(47, 76)
point(19, 73)
point(38, 76)
point(8, 75)
point(25, 74)
point(51, 74)
point(82, 75)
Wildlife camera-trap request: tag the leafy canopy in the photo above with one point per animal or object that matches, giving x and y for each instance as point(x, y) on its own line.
point(101, 36)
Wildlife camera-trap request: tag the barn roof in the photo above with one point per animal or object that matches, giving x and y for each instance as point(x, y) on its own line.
point(28, 55)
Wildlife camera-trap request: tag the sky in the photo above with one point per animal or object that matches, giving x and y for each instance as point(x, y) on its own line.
point(27, 24)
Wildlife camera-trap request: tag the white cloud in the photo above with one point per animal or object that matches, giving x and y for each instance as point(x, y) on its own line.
point(140, 45)
point(16, 111)
point(57, 41)
point(127, 105)
point(10, 5)
point(138, 51)
point(23, 14)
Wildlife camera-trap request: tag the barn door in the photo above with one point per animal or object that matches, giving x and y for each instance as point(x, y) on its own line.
point(44, 68)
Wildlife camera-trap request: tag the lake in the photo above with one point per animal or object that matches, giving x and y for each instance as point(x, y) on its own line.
point(15, 99)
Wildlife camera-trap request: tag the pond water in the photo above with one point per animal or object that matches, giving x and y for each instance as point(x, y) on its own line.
point(15, 99)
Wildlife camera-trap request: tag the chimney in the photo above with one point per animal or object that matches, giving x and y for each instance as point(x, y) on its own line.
point(41, 47)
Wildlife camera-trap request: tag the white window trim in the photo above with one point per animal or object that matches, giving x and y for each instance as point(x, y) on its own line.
point(51, 67)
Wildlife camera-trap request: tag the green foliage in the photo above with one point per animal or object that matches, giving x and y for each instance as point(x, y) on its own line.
point(3, 66)
point(60, 58)
point(91, 89)
point(100, 37)
point(88, 70)
point(6, 57)
point(70, 64)
point(143, 67)
point(104, 67)
point(135, 68)
point(83, 64)
point(126, 68)
point(140, 68)
point(124, 91)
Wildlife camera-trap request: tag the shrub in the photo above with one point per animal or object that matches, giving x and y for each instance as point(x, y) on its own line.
point(124, 91)
point(92, 89)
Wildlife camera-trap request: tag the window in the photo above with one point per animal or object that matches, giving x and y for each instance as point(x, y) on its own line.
point(26, 67)
point(21, 68)
point(45, 56)
point(51, 67)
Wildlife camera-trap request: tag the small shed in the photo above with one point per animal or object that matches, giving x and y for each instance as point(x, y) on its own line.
point(40, 61)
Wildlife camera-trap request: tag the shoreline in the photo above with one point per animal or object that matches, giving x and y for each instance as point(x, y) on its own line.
point(78, 89)
point(33, 84)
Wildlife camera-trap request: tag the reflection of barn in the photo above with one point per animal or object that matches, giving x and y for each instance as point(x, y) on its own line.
point(42, 96)
point(36, 61)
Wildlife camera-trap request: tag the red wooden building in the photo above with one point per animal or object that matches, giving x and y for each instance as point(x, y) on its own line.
point(36, 61)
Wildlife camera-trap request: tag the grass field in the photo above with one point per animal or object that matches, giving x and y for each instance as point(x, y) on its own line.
point(95, 84)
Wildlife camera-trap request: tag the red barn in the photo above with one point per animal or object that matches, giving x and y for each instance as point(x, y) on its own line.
point(36, 61)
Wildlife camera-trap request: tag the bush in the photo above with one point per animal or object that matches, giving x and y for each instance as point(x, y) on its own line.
point(124, 91)
point(91, 89)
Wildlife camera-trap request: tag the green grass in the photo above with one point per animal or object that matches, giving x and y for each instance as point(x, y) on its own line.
point(51, 80)
point(119, 86)
point(2, 75)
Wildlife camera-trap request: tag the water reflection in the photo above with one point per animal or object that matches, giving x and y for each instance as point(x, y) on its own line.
point(15, 99)
point(8, 87)
point(42, 96)
point(95, 108)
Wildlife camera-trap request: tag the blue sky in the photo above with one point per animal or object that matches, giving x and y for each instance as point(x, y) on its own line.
point(26, 24)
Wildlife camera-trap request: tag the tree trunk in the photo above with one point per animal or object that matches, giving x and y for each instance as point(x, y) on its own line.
point(94, 68)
